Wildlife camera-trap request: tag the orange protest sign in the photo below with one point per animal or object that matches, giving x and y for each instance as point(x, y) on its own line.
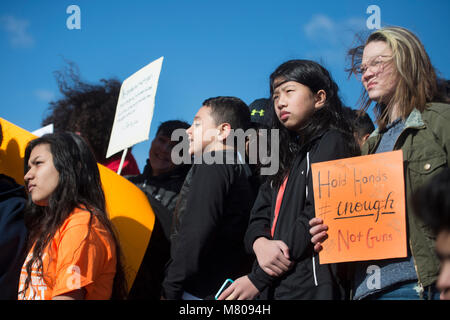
point(362, 201)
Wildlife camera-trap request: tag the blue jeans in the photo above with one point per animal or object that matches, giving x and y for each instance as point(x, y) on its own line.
point(406, 291)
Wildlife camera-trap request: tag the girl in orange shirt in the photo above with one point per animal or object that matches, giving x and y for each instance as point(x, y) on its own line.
point(73, 251)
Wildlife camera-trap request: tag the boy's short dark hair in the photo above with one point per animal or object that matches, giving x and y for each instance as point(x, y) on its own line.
point(230, 110)
point(362, 124)
point(431, 202)
point(360, 121)
point(168, 127)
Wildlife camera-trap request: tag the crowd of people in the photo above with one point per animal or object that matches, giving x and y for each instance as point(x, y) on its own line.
point(226, 220)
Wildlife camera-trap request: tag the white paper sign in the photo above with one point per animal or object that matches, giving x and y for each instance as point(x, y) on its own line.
point(44, 130)
point(134, 111)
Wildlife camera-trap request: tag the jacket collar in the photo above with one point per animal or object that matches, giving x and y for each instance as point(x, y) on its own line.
point(9, 187)
point(414, 120)
point(177, 172)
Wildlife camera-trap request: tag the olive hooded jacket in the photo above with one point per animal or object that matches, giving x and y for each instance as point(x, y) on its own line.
point(425, 142)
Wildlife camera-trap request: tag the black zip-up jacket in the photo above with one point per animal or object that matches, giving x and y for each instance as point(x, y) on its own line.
point(13, 234)
point(307, 279)
point(210, 220)
point(164, 187)
point(162, 193)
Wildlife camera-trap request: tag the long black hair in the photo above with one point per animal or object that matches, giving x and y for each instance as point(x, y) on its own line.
point(79, 186)
point(331, 115)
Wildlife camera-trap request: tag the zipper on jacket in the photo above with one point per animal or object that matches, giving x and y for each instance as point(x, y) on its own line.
point(420, 288)
point(314, 271)
point(306, 183)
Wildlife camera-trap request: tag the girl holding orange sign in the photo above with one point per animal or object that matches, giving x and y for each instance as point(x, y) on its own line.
point(398, 76)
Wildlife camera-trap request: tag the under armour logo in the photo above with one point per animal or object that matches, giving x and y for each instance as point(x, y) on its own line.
point(261, 112)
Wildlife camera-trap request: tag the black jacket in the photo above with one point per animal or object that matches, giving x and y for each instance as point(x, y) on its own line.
point(208, 231)
point(162, 193)
point(13, 235)
point(164, 187)
point(307, 279)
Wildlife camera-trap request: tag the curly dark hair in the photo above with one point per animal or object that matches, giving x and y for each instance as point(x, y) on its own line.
point(85, 108)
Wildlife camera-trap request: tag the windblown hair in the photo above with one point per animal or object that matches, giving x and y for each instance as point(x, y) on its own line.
point(331, 115)
point(85, 108)
point(417, 82)
point(79, 186)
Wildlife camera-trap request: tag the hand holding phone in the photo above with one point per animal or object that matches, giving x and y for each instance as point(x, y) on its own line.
point(240, 289)
point(224, 286)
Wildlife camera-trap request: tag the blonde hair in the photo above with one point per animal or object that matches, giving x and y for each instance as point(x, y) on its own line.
point(416, 77)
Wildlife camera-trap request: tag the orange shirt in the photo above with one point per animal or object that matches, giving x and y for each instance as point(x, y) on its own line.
point(73, 260)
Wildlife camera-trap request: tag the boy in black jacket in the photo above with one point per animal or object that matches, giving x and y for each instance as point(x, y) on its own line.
point(213, 209)
point(161, 182)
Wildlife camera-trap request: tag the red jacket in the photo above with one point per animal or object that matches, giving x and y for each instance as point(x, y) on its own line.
point(130, 166)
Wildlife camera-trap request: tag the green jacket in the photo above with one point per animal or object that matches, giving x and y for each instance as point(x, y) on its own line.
point(425, 142)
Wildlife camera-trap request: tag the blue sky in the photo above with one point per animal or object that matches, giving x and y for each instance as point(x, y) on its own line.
point(210, 48)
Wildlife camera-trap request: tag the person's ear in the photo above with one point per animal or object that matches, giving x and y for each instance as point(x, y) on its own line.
point(320, 98)
point(224, 131)
point(364, 138)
